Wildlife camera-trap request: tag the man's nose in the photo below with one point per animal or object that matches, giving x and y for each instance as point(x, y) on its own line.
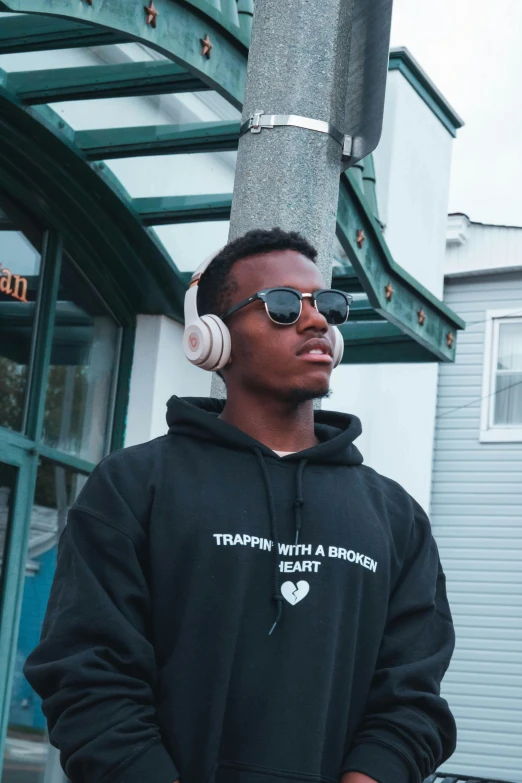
point(311, 318)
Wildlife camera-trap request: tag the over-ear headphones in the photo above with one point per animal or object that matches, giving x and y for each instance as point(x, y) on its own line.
point(206, 340)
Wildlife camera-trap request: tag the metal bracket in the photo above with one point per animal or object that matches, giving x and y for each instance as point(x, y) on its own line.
point(259, 121)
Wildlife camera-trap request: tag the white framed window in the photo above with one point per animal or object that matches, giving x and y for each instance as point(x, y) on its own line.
point(501, 418)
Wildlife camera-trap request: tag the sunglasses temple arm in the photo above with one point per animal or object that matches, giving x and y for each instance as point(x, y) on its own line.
point(237, 307)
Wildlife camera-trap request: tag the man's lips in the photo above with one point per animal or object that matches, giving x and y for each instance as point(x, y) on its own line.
point(316, 350)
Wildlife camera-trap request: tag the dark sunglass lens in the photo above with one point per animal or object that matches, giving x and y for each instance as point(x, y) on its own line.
point(333, 306)
point(283, 306)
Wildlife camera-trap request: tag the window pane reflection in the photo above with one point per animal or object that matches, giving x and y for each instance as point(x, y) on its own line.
point(19, 277)
point(82, 375)
point(510, 346)
point(508, 399)
point(28, 756)
point(508, 391)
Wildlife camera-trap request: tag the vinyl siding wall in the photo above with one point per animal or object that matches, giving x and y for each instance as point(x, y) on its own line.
point(476, 513)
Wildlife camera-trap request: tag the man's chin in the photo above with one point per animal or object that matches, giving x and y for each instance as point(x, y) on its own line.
point(298, 395)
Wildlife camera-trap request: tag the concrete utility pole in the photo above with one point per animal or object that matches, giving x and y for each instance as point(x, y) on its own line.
point(289, 176)
point(300, 64)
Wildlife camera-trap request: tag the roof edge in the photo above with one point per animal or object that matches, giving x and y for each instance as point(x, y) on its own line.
point(402, 60)
point(482, 224)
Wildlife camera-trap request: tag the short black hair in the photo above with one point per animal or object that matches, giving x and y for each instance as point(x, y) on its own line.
point(215, 289)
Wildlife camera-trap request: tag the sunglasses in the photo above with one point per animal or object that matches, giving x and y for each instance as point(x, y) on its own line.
point(285, 305)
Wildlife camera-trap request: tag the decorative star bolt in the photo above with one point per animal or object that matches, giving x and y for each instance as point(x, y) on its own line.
point(389, 291)
point(206, 46)
point(450, 339)
point(360, 237)
point(152, 14)
point(421, 315)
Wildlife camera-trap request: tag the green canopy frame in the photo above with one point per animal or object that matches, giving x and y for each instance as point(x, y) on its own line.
point(60, 174)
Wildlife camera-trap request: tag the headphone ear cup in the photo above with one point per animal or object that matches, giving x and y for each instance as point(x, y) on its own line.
point(218, 338)
point(206, 340)
point(338, 348)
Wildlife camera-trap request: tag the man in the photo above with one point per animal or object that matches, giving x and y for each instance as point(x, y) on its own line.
point(241, 600)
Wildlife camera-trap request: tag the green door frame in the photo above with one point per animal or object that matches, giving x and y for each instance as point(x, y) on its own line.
point(13, 568)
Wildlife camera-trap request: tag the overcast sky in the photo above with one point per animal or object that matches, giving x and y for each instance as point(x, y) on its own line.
point(472, 50)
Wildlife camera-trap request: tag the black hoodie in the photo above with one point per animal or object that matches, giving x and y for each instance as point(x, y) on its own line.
point(159, 657)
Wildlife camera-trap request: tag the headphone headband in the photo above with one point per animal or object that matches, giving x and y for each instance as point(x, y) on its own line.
point(202, 268)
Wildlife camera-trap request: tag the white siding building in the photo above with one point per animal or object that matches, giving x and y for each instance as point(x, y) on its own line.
point(476, 504)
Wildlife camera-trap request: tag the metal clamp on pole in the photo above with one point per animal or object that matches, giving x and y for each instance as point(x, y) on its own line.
point(259, 121)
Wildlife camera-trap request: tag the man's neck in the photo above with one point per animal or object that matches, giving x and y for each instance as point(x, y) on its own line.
point(281, 426)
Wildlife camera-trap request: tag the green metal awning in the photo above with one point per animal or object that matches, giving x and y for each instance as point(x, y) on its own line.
point(60, 175)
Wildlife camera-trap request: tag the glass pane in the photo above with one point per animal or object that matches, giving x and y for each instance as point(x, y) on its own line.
point(190, 243)
point(84, 360)
point(28, 756)
point(19, 279)
point(76, 57)
point(510, 346)
point(8, 476)
point(188, 174)
point(166, 109)
point(508, 399)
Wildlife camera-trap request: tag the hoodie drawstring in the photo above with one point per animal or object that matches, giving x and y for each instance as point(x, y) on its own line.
point(274, 535)
point(299, 499)
point(274, 531)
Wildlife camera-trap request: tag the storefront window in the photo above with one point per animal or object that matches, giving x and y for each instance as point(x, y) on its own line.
point(19, 279)
point(28, 755)
point(82, 375)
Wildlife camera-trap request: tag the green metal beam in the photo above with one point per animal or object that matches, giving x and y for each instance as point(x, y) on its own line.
point(377, 270)
point(39, 33)
point(102, 81)
point(179, 28)
point(43, 335)
point(119, 418)
point(167, 210)
point(380, 342)
point(70, 461)
point(108, 143)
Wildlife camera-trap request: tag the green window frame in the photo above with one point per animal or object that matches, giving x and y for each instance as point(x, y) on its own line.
point(23, 450)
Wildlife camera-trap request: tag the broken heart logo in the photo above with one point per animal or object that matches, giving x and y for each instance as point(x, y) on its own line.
point(295, 593)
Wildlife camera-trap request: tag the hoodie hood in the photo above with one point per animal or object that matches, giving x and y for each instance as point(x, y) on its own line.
point(198, 417)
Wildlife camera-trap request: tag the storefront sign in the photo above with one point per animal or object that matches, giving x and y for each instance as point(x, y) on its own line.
point(13, 285)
